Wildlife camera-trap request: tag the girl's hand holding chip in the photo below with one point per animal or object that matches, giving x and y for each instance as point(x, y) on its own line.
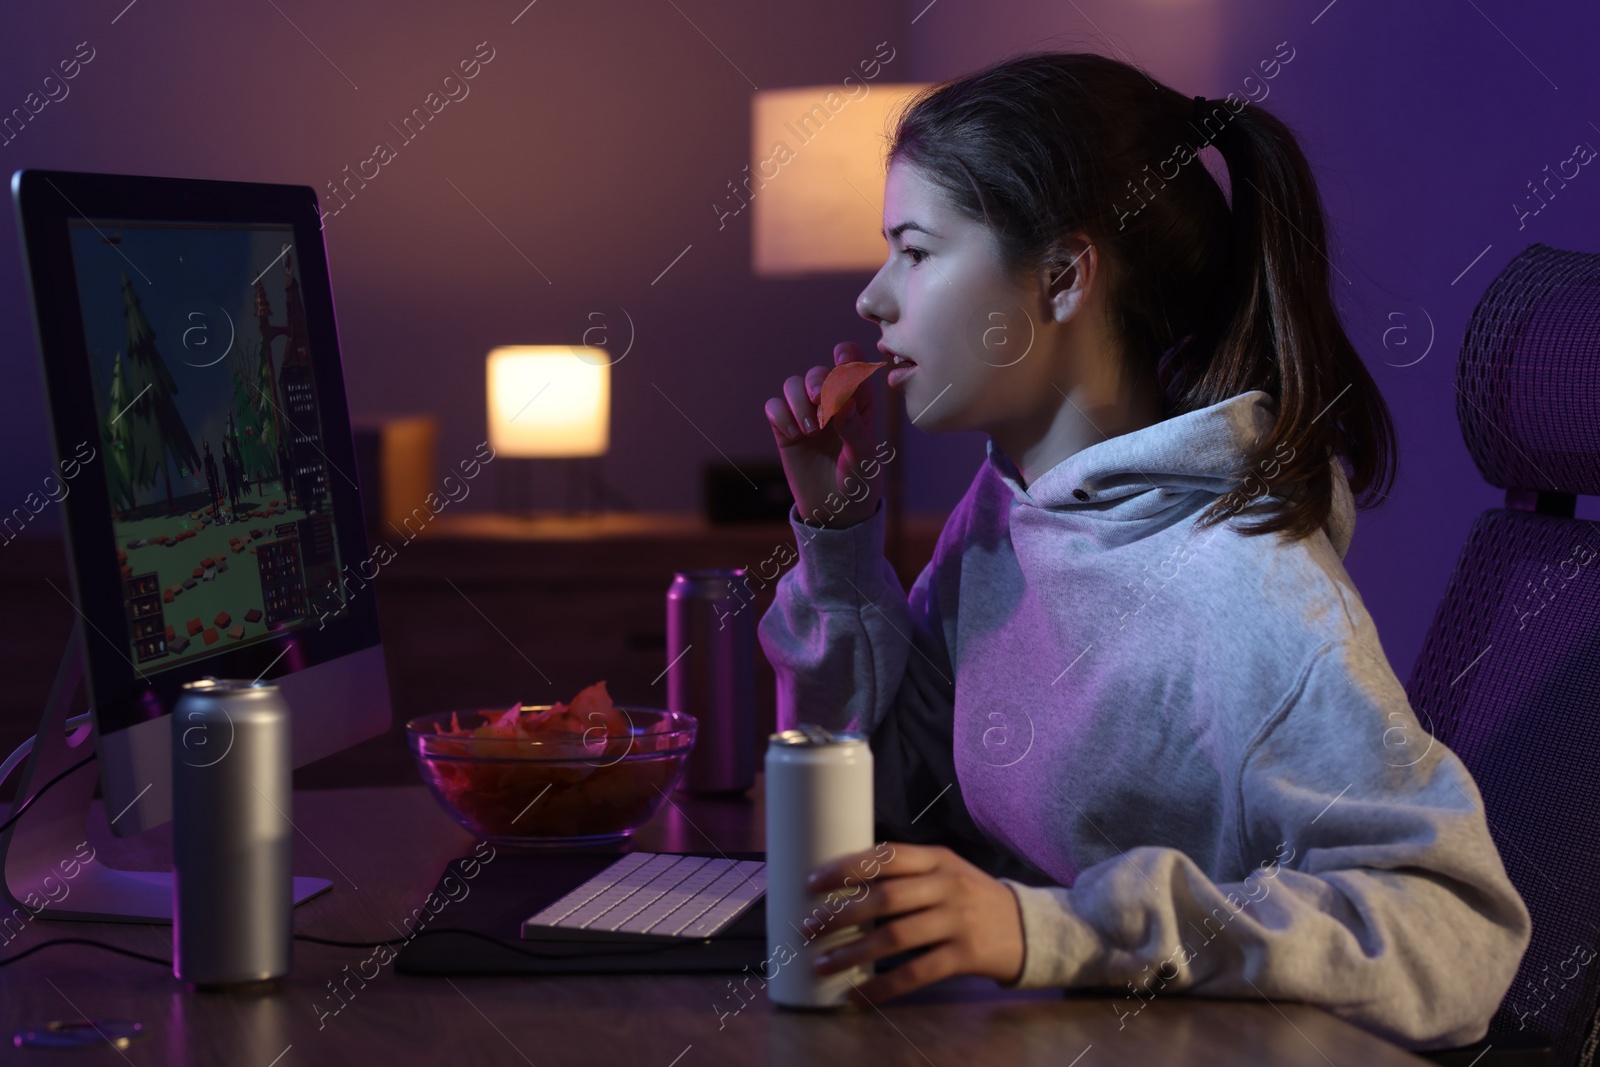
point(825, 461)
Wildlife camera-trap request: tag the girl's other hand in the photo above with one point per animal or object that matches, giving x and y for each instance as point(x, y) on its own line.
point(823, 463)
point(923, 896)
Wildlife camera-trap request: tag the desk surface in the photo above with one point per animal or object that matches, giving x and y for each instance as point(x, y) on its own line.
point(384, 848)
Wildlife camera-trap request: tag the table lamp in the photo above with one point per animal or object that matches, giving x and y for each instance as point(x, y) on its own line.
point(816, 177)
point(816, 185)
point(552, 402)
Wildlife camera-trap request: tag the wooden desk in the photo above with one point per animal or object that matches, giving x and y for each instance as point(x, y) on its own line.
point(384, 848)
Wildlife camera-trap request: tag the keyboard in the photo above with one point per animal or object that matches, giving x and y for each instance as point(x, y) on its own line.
point(653, 897)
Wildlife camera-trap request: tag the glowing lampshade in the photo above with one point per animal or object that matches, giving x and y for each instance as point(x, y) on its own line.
point(549, 400)
point(816, 176)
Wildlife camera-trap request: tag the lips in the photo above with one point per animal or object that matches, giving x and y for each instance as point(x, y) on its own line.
point(894, 357)
point(901, 367)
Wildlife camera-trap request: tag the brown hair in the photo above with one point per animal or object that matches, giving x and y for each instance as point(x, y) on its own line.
point(1207, 302)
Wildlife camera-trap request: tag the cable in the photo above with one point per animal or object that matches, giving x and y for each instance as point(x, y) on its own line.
point(20, 812)
point(12, 761)
point(83, 941)
point(626, 951)
point(352, 944)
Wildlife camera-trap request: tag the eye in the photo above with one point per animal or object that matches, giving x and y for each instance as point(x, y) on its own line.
point(917, 254)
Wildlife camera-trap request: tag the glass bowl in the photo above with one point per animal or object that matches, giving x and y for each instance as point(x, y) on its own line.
point(553, 789)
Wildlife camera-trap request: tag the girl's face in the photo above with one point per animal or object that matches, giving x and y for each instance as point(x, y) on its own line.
point(980, 339)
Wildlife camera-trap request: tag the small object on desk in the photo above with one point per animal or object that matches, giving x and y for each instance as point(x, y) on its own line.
point(233, 889)
point(79, 1033)
point(819, 808)
point(589, 773)
point(653, 898)
point(711, 674)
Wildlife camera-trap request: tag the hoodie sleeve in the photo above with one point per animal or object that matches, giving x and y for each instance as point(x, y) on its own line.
point(837, 631)
point(1373, 889)
point(851, 650)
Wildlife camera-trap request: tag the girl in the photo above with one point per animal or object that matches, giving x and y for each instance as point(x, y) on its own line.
point(1123, 739)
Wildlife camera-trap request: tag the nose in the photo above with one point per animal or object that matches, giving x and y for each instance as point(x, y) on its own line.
point(873, 304)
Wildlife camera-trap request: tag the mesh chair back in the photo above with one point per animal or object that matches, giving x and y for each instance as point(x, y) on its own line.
point(1509, 674)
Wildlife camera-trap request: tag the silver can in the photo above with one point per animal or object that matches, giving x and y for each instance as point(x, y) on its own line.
point(233, 890)
point(711, 675)
point(819, 808)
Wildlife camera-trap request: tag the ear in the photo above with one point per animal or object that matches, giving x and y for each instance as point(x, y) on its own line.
point(1067, 277)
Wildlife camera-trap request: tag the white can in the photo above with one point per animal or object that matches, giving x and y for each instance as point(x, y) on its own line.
point(819, 808)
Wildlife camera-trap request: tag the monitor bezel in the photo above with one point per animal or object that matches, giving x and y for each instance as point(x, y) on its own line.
point(123, 695)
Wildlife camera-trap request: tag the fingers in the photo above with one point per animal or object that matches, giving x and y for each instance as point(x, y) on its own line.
point(888, 897)
point(795, 415)
point(785, 416)
point(894, 858)
point(800, 405)
point(856, 421)
point(932, 966)
point(784, 426)
point(814, 379)
point(928, 927)
point(952, 909)
point(864, 863)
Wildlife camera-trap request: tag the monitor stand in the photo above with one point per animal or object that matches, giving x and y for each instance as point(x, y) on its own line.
point(43, 846)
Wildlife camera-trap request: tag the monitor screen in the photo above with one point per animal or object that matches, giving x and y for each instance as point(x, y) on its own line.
point(192, 371)
point(211, 427)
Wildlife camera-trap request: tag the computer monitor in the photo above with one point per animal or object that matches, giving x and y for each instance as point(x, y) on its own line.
point(198, 414)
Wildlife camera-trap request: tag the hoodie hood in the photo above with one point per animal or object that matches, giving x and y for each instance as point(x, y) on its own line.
point(1137, 476)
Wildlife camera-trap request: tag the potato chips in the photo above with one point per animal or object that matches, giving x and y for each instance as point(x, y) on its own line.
point(840, 386)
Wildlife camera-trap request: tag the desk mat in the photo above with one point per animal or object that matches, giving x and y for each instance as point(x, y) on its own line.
point(513, 885)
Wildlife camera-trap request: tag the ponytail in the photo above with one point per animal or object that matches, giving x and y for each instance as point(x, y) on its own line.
point(1279, 331)
point(1207, 300)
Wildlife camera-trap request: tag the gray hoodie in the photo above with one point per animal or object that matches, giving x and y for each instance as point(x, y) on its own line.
point(1183, 750)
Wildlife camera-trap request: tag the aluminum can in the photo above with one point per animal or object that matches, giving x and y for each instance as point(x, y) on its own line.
point(711, 675)
point(819, 808)
point(233, 890)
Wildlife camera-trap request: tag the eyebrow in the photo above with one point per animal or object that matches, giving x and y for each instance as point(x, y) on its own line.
point(904, 226)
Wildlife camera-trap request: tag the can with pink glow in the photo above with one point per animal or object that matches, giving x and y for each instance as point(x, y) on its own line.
point(819, 808)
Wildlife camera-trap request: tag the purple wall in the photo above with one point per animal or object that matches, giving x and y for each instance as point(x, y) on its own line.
point(597, 140)
point(600, 135)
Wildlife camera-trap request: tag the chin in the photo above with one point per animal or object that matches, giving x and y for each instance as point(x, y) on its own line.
point(938, 414)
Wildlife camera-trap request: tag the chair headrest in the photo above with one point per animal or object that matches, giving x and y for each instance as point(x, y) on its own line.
point(1528, 381)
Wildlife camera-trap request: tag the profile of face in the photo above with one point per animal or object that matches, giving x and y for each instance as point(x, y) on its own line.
point(983, 341)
